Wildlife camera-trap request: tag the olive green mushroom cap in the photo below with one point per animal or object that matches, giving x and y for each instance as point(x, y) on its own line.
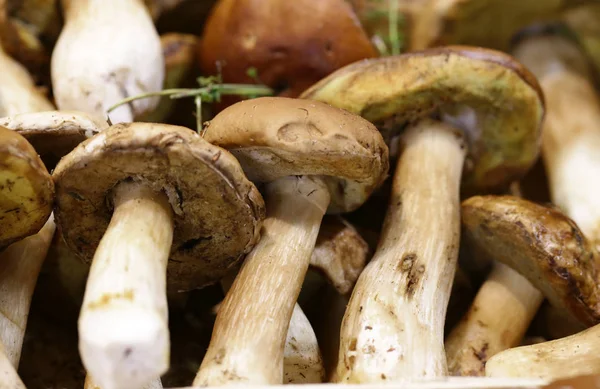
point(275, 137)
point(488, 94)
point(26, 189)
point(54, 134)
point(217, 211)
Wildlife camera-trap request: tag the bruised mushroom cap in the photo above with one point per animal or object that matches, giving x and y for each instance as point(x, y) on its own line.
point(26, 189)
point(275, 137)
point(54, 134)
point(217, 211)
point(291, 44)
point(494, 99)
point(542, 244)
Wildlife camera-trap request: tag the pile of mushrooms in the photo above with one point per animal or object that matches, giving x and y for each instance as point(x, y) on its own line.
point(174, 175)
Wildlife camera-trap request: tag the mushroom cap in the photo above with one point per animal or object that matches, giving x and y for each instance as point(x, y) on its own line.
point(291, 44)
point(26, 189)
point(54, 134)
point(217, 211)
point(543, 245)
point(275, 137)
point(488, 94)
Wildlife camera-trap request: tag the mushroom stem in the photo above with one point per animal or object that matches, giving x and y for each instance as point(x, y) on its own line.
point(90, 384)
point(247, 344)
point(497, 320)
point(10, 378)
point(123, 325)
point(394, 323)
point(20, 265)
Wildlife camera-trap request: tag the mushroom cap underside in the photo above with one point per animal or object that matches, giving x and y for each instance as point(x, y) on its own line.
point(543, 245)
point(275, 137)
point(26, 188)
point(217, 211)
point(489, 95)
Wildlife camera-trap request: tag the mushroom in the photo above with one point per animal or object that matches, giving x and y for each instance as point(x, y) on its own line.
point(313, 159)
point(168, 194)
point(571, 139)
point(489, 112)
point(106, 52)
point(583, 21)
point(549, 250)
point(290, 44)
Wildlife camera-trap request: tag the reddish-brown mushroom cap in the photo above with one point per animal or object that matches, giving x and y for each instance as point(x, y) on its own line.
point(217, 211)
point(275, 137)
point(26, 189)
point(489, 95)
point(291, 44)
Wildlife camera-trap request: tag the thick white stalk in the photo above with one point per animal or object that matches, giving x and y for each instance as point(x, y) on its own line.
point(20, 265)
point(123, 324)
point(10, 378)
point(394, 325)
point(249, 335)
point(90, 384)
point(497, 320)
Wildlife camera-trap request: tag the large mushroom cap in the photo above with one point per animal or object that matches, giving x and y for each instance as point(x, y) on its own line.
point(494, 99)
point(542, 244)
point(291, 44)
point(217, 211)
point(26, 189)
point(274, 137)
point(54, 134)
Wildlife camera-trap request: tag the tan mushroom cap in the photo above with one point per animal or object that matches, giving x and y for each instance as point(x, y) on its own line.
point(217, 211)
point(26, 189)
point(54, 134)
point(494, 99)
point(542, 244)
point(275, 137)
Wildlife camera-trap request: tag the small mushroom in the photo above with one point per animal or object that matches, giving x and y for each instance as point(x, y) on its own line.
point(167, 194)
point(290, 44)
point(26, 189)
point(107, 51)
point(489, 111)
point(313, 159)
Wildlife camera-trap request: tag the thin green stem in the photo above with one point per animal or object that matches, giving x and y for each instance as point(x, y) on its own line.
point(393, 27)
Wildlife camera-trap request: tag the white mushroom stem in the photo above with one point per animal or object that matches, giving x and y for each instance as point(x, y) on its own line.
point(248, 340)
point(90, 384)
point(107, 51)
point(20, 265)
point(302, 361)
point(497, 320)
point(123, 324)
point(573, 356)
point(18, 93)
point(10, 378)
point(394, 325)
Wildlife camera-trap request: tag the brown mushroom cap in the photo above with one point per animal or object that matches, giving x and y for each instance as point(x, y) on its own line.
point(291, 44)
point(275, 137)
point(494, 99)
point(217, 211)
point(542, 244)
point(26, 189)
point(54, 134)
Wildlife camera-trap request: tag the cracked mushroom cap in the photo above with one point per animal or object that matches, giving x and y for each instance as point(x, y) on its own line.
point(291, 44)
point(54, 134)
point(26, 189)
point(489, 95)
point(217, 211)
point(275, 137)
point(543, 245)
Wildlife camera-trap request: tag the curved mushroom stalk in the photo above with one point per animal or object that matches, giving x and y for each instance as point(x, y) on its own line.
point(573, 356)
point(92, 74)
point(10, 378)
point(405, 321)
point(497, 320)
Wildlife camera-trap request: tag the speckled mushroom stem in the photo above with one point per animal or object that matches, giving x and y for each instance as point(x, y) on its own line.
point(10, 378)
point(20, 265)
point(399, 302)
point(253, 353)
point(18, 93)
point(497, 320)
point(302, 361)
point(123, 324)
